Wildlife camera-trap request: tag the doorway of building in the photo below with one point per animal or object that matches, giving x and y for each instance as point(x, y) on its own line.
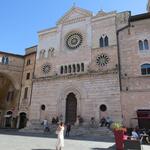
point(143, 118)
point(23, 120)
point(71, 108)
point(8, 121)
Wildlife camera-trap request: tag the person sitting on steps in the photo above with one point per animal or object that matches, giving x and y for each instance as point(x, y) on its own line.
point(102, 122)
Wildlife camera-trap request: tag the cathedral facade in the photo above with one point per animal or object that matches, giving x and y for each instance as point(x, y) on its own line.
point(91, 66)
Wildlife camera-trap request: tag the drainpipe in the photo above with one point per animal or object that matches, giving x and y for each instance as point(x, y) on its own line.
point(118, 51)
point(119, 60)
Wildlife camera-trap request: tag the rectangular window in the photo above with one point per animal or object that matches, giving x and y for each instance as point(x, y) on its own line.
point(143, 71)
point(28, 76)
point(8, 96)
point(25, 92)
point(28, 62)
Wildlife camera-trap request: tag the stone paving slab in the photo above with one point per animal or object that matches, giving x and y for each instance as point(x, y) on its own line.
point(44, 142)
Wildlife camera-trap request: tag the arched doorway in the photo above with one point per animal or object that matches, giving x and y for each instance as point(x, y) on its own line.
point(23, 120)
point(71, 108)
point(8, 120)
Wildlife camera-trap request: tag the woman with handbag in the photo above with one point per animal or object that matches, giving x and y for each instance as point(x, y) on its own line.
point(60, 135)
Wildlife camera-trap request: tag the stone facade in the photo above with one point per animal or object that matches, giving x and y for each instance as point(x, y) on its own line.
point(97, 85)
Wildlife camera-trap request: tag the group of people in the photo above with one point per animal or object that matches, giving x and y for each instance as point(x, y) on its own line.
point(106, 122)
point(142, 135)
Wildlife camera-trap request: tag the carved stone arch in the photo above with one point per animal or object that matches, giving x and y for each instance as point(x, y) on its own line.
point(42, 53)
point(62, 100)
point(12, 78)
point(50, 52)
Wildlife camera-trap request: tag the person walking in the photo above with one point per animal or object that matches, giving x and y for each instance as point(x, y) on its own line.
point(68, 129)
point(60, 136)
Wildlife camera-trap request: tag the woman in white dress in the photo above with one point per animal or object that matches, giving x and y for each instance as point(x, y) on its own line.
point(60, 134)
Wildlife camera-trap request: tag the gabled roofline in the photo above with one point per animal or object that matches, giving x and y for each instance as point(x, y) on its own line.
point(72, 8)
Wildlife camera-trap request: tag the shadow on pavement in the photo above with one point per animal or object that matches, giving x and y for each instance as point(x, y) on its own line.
point(43, 149)
point(15, 132)
point(110, 148)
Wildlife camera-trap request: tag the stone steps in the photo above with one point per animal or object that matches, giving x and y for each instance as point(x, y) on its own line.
point(36, 127)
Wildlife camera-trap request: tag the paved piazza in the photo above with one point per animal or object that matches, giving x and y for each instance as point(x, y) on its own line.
point(23, 141)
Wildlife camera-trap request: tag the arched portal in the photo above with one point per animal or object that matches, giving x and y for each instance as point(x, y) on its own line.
point(71, 108)
point(8, 121)
point(23, 120)
point(9, 97)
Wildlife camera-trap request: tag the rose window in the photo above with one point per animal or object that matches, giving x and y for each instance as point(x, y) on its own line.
point(46, 68)
point(74, 40)
point(102, 60)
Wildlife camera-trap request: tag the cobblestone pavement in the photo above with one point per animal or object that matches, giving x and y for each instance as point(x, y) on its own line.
point(24, 141)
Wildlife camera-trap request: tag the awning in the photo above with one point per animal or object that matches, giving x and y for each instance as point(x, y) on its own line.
point(7, 116)
point(141, 118)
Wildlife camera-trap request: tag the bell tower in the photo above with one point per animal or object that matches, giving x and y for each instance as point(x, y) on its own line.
point(148, 6)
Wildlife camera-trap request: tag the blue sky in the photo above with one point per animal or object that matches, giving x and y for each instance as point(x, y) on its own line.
point(20, 20)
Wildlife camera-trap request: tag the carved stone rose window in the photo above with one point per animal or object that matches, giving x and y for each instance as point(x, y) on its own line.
point(46, 68)
point(102, 60)
point(74, 40)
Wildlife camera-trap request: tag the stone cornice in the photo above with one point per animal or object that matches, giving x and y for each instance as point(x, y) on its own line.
point(98, 18)
point(70, 76)
point(104, 48)
point(72, 21)
point(49, 30)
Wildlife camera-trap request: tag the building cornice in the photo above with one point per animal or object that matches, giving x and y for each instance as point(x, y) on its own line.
point(71, 76)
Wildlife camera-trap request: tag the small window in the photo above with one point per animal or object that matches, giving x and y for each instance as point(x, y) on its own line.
point(103, 107)
point(5, 60)
point(141, 45)
point(82, 67)
point(65, 69)
point(78, 68)
point(106, 41)
point(28, 76)
point(25, 92)
point(69, 68)
point(146, 46)
point(43, 107)
point(74, 68)
point(101, 42)
point(51, 52)
point(145, 69)
point(61, 70)
point(10, 96)
point(42, 53)
point(28, 62)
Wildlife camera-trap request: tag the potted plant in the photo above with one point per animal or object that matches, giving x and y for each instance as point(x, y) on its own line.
point(119, 131)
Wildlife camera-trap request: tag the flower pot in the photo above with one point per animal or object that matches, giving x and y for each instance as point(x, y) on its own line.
point(119, 134)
